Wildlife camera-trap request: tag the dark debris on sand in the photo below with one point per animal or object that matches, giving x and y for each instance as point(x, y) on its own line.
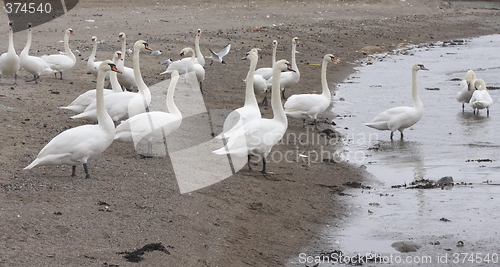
point(137, 255)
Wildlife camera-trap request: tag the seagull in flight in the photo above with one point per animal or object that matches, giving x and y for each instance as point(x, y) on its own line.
point(217, 57)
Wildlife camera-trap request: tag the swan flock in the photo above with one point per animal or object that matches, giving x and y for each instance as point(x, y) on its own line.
point(123, 115)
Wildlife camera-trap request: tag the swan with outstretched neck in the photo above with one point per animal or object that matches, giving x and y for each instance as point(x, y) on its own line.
point(127, 77)
point(34, 65)
point(257, 137)
point(154, 125)
point(400, 118)
point(10, 62)
point(76, 145)
point(305, 106)
point(250, 110)
point(58, 62)
point(288, 78)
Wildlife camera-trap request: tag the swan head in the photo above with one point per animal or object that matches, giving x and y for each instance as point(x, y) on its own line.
point(469, 76)
point(117, 56)
point(138, 45)
point(275, 43)
point(185, 51)
point(70, 31)
point(284, 65)
point(29, 26)
point(252, 54)
point(479, 84)
point(108, 65)
point(198, 32)
point(10, 24)
point(94, 39)
point(121, 36)
point(330, 57)
point(419, 66)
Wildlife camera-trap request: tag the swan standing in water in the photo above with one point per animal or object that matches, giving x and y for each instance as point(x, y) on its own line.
point(125, 104)
point(10, 62)
point(305, 106)
point(31, 64)
point(466, 88)
point(400, 118)
point(58, 62)
point(152, 125)
point(76, 145)
point(127, 77)
point(257, 137)
point(217, 57)
point(480, 99)
point(84, 100)
point(250, 110)
point(288, 78)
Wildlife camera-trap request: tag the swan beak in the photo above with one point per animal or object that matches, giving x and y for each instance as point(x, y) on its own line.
point(146, 46)
point(291, 69)
point(182, 55)
point(115, 69)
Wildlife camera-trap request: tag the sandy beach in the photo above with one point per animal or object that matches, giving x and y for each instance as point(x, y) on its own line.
point(49, 218)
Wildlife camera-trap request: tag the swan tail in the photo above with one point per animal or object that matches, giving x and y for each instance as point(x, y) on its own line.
point(73, 108)
point(33, 164)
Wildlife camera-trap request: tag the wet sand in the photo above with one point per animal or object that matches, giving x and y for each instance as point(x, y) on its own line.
point(49, 218)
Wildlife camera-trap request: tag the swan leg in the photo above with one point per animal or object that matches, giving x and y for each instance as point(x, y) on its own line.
point(283, 93)
point(15, 80)
point(303, 123)
point(73, 171)
point(35, 78)
point(402, 135)
point(463, 107)
point(392, 134)
point(487, 111)
point(315, 124)
point(86, 168)
point(248, 162)
point(264, 167)
point(201, 89)
point(264, 101)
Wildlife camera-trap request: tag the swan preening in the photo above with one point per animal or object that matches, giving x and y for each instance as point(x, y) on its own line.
point(152, 125)
point(124, 104)
point(257, 137)
point(217, 57)
point(480, 99)
point(10, 62)
point(466, 88)
point(250, 110)
point(76, 145)
point(34, 65)
point(305, 106)
point(58, 62)
point(400, 118)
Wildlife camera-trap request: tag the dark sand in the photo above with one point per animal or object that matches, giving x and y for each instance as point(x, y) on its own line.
point(51, 219)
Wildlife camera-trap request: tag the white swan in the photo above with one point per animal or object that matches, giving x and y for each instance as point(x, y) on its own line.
point(288, 78)
point(124, 104)
point(400, 118)
point(33, 65)
point(268, 72)
point(152, 125)
point(84, 100)
point(127, 77)
point(305, 106)
point(250, 110)
point(182, 65)
point(217, 57)
point(10, 62)
point(76, 145)
point(466, 88)
point(257, 137)
point(58, 62)
point(92, 65)
point(480, 99)
point(193, 66)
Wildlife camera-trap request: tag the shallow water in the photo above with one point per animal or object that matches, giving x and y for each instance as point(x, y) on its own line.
point(445, 142)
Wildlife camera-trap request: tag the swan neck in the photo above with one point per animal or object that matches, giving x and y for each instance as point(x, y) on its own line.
point(199, 56)
point(250, 99)
point(137, 71)
point(294, 62)
point(94, 51)
point(414, 91)
point(115, 85)
point(102, 115)
point(11, 41)
point(274, 55)
point(172, 108)
point(68, 51)
point(26, 49)
point(279, 113)
point(324, 83)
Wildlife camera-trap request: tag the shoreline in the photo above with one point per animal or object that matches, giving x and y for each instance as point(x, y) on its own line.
point(246, 220)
